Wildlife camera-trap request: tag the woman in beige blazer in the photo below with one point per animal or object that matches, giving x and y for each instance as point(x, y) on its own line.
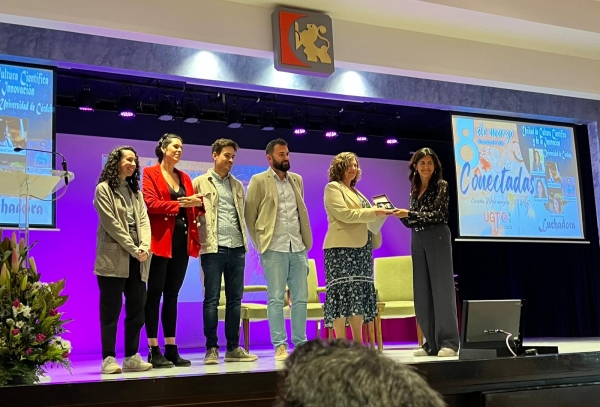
point(122, 257)
point(348, 249)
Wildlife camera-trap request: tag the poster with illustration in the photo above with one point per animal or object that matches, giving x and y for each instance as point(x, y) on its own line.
point(516, 179)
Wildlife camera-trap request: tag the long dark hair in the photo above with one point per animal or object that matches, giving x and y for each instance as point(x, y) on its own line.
point(164, 142)
point(110, 172)
point(413, 175)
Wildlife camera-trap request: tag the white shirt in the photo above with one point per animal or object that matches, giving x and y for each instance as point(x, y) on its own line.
point(286, 235)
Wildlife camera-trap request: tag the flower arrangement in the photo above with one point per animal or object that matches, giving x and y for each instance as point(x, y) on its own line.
point(30, 323)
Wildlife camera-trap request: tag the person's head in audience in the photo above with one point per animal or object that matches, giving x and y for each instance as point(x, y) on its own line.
point(341, 373)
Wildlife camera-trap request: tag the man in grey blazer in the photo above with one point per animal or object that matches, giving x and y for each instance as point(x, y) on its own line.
point(278, 225)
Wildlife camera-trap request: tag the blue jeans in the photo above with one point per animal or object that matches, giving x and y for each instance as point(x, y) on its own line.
point(229, 263)
point(291, 269)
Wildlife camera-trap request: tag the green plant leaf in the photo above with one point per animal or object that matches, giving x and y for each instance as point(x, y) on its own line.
point(43, 314)
point(60, 285)
point(61, 301)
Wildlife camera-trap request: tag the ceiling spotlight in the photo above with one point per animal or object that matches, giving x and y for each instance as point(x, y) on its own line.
point(191, 112)
point(361, 130)
point(86, 101)
point(235, 118)
point(268, 119)
point(300, 131)
point(126, 106)
point(165, 110)
point(392, 130)
point(330, 126)
point(299, 123)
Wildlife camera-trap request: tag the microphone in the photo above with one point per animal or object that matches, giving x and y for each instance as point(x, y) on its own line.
point(63, 164)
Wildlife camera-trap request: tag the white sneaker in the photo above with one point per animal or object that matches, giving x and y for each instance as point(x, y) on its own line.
point(135, 364)
point(110, 366)
point(281, 354)
point(447, 352)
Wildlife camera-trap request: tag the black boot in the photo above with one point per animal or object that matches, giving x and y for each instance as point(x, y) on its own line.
point(172, 355)
point(157, 359)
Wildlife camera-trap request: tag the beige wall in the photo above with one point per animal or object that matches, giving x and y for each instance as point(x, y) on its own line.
point(244, 29)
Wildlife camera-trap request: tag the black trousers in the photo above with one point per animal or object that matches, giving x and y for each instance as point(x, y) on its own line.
point(165, 280)
point(433, 282)
point(111, 302)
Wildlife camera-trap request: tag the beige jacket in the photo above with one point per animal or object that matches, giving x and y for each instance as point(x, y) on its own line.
point(207, 224)
point(261, 209)
point(114, 246)
point(347, 218)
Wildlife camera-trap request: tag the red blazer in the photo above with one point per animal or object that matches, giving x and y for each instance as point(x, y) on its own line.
point(162, 211)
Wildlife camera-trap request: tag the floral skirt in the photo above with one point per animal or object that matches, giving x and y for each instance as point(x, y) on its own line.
point(350, 287)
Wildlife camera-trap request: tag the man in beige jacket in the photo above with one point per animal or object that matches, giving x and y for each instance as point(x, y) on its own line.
point(278, 224)
point(223, 251)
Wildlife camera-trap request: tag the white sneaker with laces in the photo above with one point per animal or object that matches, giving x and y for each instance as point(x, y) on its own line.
point(239, 354)
point(281, 353)
point(135, 364)
point(110, 366)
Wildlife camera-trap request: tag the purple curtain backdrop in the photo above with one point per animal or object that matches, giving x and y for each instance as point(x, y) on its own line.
point(69, 253)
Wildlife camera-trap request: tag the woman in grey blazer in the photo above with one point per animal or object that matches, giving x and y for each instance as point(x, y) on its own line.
point(122, 257)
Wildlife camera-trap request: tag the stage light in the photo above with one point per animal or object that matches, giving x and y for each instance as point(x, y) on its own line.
point(330, 126)
point(299, 123)
point(86, 101)
point(392, 130)
point(165, 110)
point(268, 119)
point(300, 132)
point(361, 130)
point(126, 107)
point(235, 118)
point(191, 112)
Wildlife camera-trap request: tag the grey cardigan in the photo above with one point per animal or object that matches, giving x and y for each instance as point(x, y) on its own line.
point(114, 246)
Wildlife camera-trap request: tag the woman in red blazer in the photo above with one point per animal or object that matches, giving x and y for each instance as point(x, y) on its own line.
point(172, 209)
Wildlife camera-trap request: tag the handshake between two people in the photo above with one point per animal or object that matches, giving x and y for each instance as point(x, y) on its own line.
point(399, 213)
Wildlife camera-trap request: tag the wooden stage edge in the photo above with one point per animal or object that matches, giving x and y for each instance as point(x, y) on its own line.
point(462, 383)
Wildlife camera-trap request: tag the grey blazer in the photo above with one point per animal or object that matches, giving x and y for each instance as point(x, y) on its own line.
point(114, 246)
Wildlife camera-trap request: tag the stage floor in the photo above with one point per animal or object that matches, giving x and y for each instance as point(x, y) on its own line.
point(86, 368)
